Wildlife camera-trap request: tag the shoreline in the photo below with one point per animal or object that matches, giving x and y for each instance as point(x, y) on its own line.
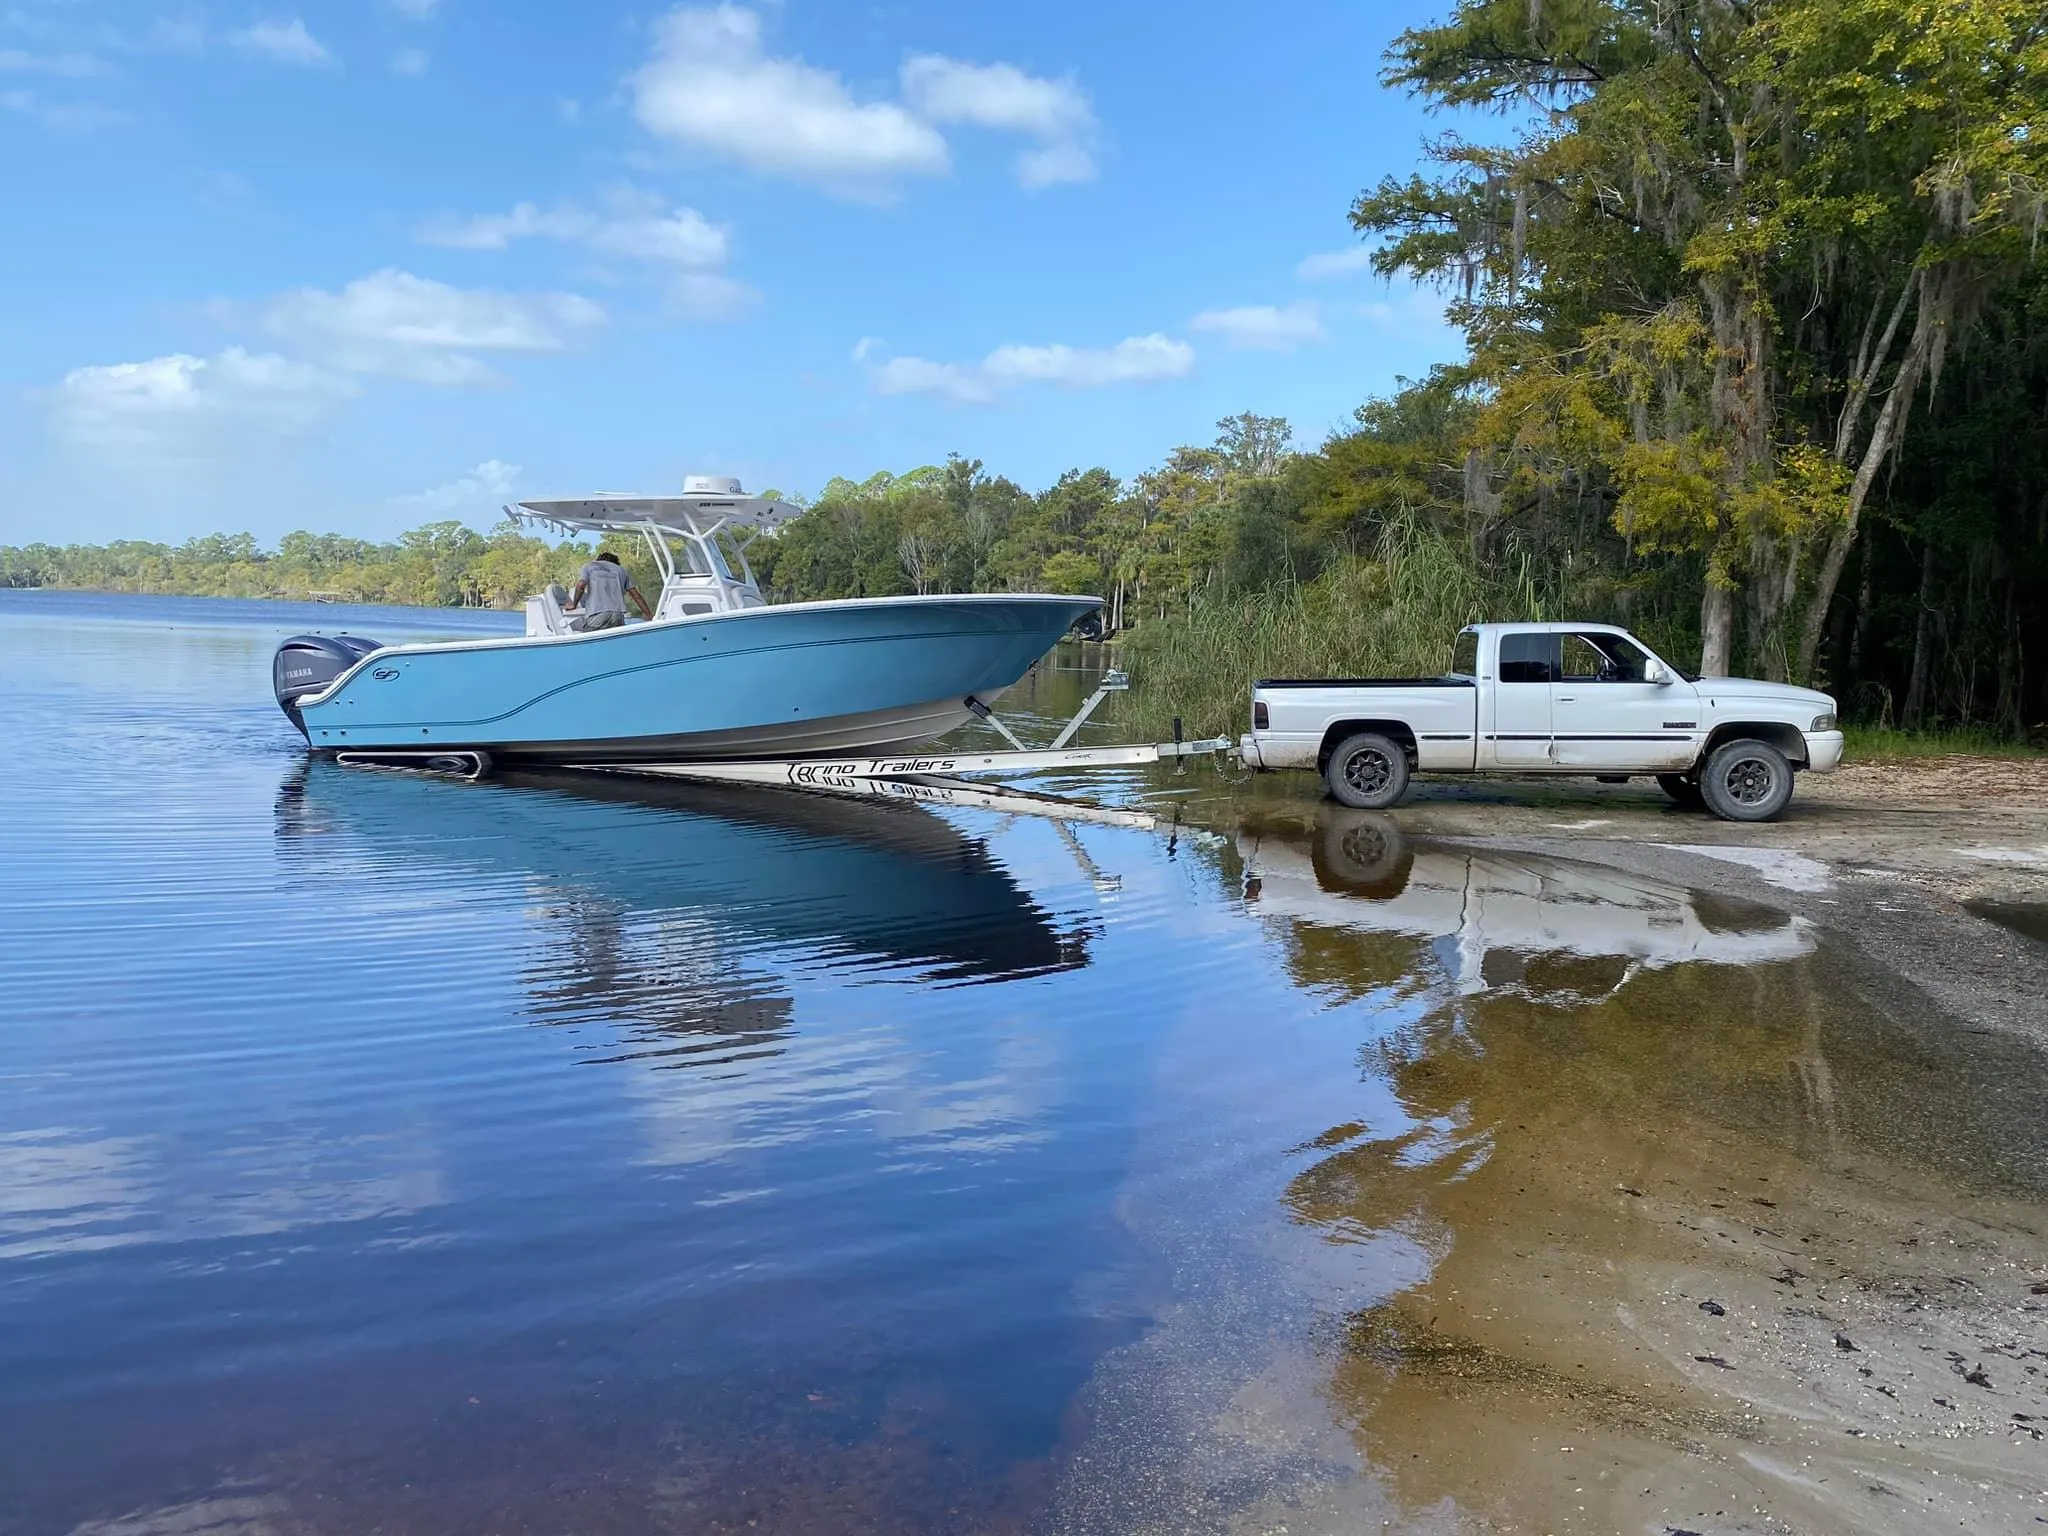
point(1660, 1306)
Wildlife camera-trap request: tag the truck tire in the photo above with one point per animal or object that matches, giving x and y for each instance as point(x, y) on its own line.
point(1368, 772)
point(1746, 780)
point(1682, 789)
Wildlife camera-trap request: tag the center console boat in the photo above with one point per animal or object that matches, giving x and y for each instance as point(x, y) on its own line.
point(718, 673)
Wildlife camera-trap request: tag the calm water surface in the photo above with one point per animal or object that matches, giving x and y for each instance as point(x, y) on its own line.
point(383, 1152)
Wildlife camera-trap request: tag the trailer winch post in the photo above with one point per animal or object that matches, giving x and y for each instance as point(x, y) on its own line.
point(1113, 681)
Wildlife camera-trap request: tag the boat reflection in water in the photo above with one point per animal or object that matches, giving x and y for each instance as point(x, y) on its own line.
point(680, 909)
point(1548, 929)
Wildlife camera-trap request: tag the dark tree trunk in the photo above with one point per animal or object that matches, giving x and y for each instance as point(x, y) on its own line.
point(1923, 638)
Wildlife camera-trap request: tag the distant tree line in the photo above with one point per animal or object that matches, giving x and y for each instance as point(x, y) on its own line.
point(445, 564)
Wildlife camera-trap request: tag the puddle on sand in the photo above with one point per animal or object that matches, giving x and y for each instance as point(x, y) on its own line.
point(1716, 1241)
point(2028, 918)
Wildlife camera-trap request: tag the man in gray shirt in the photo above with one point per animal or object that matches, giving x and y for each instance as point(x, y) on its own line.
point(602, 587)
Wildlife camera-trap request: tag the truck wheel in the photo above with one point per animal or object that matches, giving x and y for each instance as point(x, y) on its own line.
point(1683, 790)
point(1368, 772)
point(1746, 781)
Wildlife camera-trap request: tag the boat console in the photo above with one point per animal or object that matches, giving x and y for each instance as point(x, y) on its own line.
point(697, 541)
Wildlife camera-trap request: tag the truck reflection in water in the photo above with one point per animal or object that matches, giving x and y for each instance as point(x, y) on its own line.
point(675, 909)
point(1547, 929)
point(1588, 1102)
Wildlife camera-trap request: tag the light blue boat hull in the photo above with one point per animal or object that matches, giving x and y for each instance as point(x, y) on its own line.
point(806, 679)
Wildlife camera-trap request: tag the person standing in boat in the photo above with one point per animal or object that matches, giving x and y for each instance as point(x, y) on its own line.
point(602, 588)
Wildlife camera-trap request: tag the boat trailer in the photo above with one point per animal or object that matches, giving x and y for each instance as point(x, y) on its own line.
point(936, 777)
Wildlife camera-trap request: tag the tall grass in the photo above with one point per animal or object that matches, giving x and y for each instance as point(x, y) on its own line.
point(1392, 612)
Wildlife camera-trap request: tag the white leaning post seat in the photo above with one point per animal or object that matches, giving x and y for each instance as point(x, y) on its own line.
point(546, 610)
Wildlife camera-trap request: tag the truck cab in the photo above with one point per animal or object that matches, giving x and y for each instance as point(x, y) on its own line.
point(1579, 698)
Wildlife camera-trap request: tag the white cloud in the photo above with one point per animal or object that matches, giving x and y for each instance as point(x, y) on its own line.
point(392, 322)
point(682, 236)
point(410, 62)
point(712, 87)
point(632, 226)
point(710, 296)
point(187, 404)
point(1263, 327)
point(63, 116)
point(1004, 97)
point(917, 376)
point(69, 66)
point(1328, 264)
point(172, 34)
point(1134, 360)
point(284, 42)
point(995, 96)
point(1410, 309)
point(1051, 164)
point(485, 486)
point(866, 348)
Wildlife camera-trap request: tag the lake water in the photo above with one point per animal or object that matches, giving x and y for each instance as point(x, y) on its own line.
point(383, 1152)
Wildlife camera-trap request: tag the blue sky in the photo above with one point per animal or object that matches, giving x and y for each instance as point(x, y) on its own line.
point(357, 266)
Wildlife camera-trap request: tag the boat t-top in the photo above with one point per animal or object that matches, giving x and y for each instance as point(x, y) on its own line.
point(718, 673)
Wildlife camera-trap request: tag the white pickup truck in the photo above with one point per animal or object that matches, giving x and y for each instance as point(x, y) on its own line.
point(1586, 699)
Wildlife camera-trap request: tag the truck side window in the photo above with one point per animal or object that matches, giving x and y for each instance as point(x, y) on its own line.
point(1528, 657)
point(1603, 659)
point(1465, 655)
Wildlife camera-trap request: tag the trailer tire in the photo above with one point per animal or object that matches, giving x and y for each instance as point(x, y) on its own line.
point(1368, 772)
point(1683, 790)
point(1747, 780)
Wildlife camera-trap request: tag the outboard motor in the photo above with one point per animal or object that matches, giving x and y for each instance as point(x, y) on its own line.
point(306, 664)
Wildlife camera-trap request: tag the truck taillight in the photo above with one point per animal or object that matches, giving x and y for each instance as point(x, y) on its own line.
point(1260, 719)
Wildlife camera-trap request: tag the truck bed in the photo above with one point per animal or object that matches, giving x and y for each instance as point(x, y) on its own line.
point(1363, 682)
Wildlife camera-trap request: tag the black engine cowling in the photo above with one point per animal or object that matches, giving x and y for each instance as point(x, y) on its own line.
point(305, 664)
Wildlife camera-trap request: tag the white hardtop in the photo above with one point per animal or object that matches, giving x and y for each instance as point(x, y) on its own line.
point(707, 504)
point(700, 574)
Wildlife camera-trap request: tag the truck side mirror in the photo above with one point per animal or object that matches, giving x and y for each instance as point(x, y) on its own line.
point(1656, 672)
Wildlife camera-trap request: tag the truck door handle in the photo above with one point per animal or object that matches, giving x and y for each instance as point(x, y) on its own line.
point(1568, 698)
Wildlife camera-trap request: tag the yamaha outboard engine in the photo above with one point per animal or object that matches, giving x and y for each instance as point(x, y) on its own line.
point(306, 664)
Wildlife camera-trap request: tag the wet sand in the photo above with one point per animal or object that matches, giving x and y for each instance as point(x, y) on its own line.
point(1722, 1279)
point(1729, 1250)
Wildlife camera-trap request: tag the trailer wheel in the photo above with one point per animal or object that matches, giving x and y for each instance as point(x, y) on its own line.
point(1747, 781)
point(1683, 790)
point(1368, 772)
